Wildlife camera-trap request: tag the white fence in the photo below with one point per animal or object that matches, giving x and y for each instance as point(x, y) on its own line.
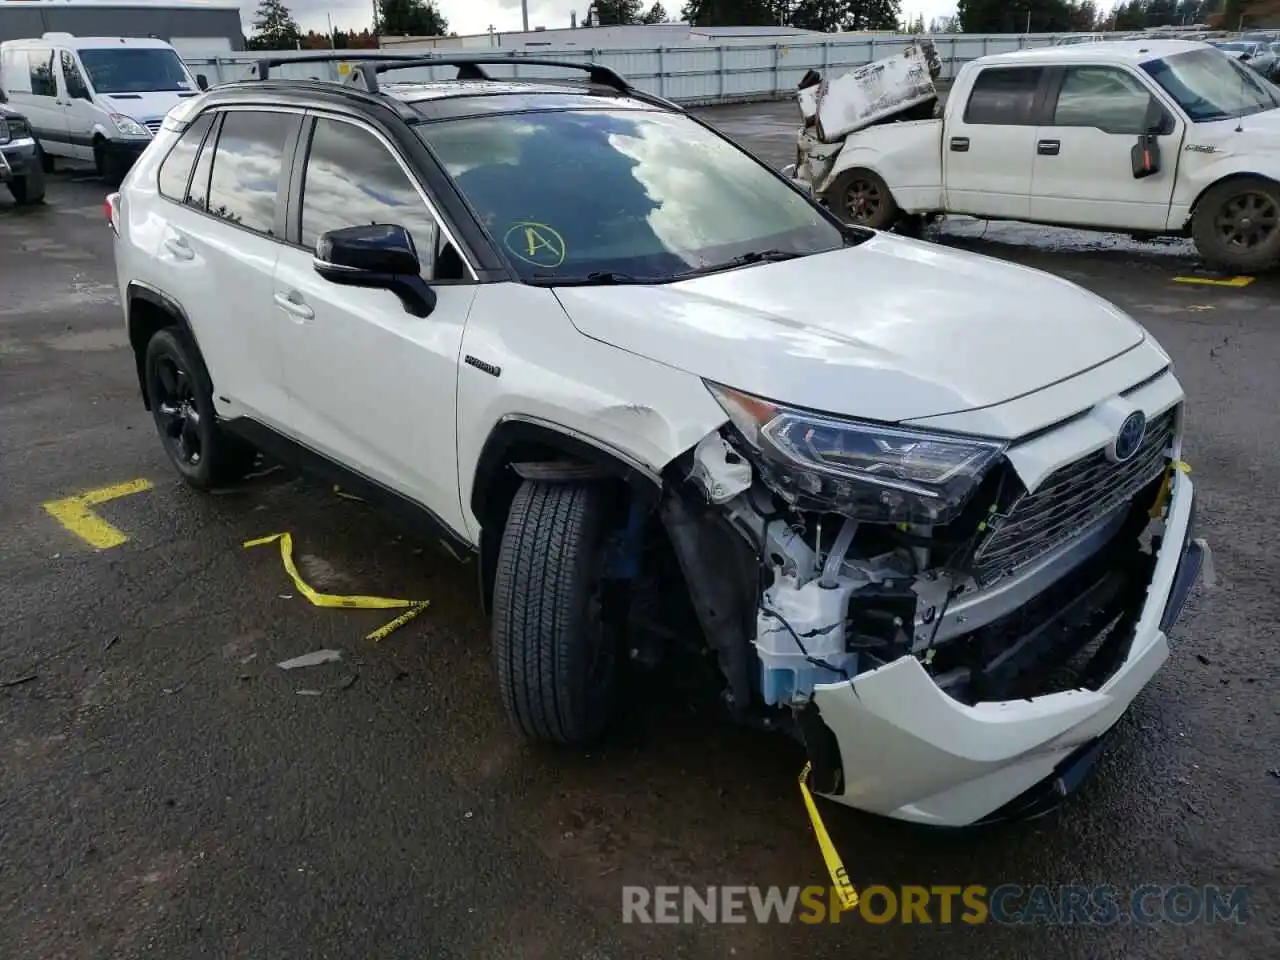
point(691, 74)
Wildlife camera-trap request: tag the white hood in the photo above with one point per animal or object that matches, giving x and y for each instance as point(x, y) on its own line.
point(145, 107)
point(889, 330)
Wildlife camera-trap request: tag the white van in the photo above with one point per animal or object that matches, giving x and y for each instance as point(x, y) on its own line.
point(99, 99)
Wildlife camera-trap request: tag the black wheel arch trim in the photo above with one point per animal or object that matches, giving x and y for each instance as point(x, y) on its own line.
point(139, 290)
point(514, 430)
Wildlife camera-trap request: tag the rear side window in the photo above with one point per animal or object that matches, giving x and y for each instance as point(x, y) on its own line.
point(1003, 96)
point(40, 65)
point(175, 172)
point(243, 186)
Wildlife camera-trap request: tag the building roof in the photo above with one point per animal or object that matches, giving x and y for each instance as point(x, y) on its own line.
point(756, 31)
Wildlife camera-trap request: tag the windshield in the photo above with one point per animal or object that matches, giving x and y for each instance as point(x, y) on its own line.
point(1237, 47)
point(1210, 86)
point(134, 70)
point(643, 195)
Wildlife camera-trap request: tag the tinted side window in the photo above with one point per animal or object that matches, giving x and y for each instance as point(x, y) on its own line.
point(1003, 96)
point(40, 63)
point(72, 77)
point(175, 172)
point(246, 168)
point(1102, 97)
point(351, 180)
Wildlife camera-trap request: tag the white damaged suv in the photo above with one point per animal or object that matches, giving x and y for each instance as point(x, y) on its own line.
point(924, 506)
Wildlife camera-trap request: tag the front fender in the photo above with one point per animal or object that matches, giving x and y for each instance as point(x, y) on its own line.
point(540, 371)
point(1197, 178)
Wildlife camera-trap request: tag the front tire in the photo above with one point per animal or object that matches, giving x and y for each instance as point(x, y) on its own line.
point(181, 399)
point(862, 198)
point(109, 167)
point(1237, 225)
point(555, 653)
point(29, 190)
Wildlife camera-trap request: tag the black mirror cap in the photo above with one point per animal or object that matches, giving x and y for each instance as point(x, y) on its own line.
point(1145, 157)
point(373, 248)
point(202, 81)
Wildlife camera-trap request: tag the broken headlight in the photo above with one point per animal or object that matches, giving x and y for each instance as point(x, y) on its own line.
point(867, 471)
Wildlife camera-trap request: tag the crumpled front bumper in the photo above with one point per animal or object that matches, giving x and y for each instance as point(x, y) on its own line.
point(911, 752)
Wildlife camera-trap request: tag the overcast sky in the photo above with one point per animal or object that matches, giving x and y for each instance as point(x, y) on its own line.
point(475, 16)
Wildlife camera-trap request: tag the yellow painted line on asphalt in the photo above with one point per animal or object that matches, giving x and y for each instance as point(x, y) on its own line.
point(76, 515)
point(1212, 282)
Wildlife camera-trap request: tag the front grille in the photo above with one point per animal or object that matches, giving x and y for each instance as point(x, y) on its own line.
point(154, 126)
point(1070, 501)
point(16, 128)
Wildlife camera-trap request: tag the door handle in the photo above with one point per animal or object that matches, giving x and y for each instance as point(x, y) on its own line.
point(293, 305)
point(178, 247)
point(1048, 148)
point(959, 144)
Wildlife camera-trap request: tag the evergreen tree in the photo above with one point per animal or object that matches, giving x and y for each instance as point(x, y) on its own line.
point(274, 27)
point(657, 14)
point(410, 18)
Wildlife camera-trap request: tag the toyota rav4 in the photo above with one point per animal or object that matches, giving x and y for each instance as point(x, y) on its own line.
point(924, 507)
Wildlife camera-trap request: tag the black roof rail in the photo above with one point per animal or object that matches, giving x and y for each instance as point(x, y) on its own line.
point(469, 67)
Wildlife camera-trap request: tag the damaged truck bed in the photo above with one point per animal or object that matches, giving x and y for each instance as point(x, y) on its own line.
point(897, 88)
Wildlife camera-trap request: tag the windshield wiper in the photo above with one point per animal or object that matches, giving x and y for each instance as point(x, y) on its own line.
point(597, 278)
point(744, 260)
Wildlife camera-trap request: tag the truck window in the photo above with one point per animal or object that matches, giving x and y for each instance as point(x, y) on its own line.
point(1102, 97)
point(40, 63)
point(1003, 96)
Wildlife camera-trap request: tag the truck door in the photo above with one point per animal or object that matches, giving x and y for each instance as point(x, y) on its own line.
point(988, 144)
point(1083, 171)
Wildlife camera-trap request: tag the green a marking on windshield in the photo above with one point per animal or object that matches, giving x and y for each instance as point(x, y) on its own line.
point(535, 243)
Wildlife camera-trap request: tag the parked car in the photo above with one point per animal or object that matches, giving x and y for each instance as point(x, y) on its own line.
point(19, 161)
point(1149, 138)
point(584, 337)
point(1258, 56)
point(98, 99)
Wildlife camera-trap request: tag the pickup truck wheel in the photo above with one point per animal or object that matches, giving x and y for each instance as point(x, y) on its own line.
point(863, 198)
point(28, 190)
point(1237, 225)
point(181, 399)
point(554, 651)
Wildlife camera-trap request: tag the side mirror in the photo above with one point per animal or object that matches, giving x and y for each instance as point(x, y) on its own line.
point(380, 256)
point(202, 81)
point(1145, 156)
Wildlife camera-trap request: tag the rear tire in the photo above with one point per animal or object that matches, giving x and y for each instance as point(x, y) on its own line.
point(181, 400)
point(1236, 226)
point(862, 198)
point(556, 656)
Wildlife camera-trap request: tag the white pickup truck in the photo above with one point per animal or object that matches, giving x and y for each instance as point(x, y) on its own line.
point(1144, 137)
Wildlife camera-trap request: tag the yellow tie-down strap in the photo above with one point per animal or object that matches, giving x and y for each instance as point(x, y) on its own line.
point(415, 607)
point(835, 866)
point(1166, 484)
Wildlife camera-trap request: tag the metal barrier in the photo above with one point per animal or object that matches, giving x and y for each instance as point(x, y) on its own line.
point(690, 74)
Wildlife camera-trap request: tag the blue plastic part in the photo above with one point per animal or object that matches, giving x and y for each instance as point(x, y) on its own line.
point(623, 556)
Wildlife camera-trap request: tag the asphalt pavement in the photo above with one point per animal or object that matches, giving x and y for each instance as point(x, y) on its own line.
point(167, 791)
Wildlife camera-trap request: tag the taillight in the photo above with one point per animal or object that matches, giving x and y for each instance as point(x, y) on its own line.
point(111, 206)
